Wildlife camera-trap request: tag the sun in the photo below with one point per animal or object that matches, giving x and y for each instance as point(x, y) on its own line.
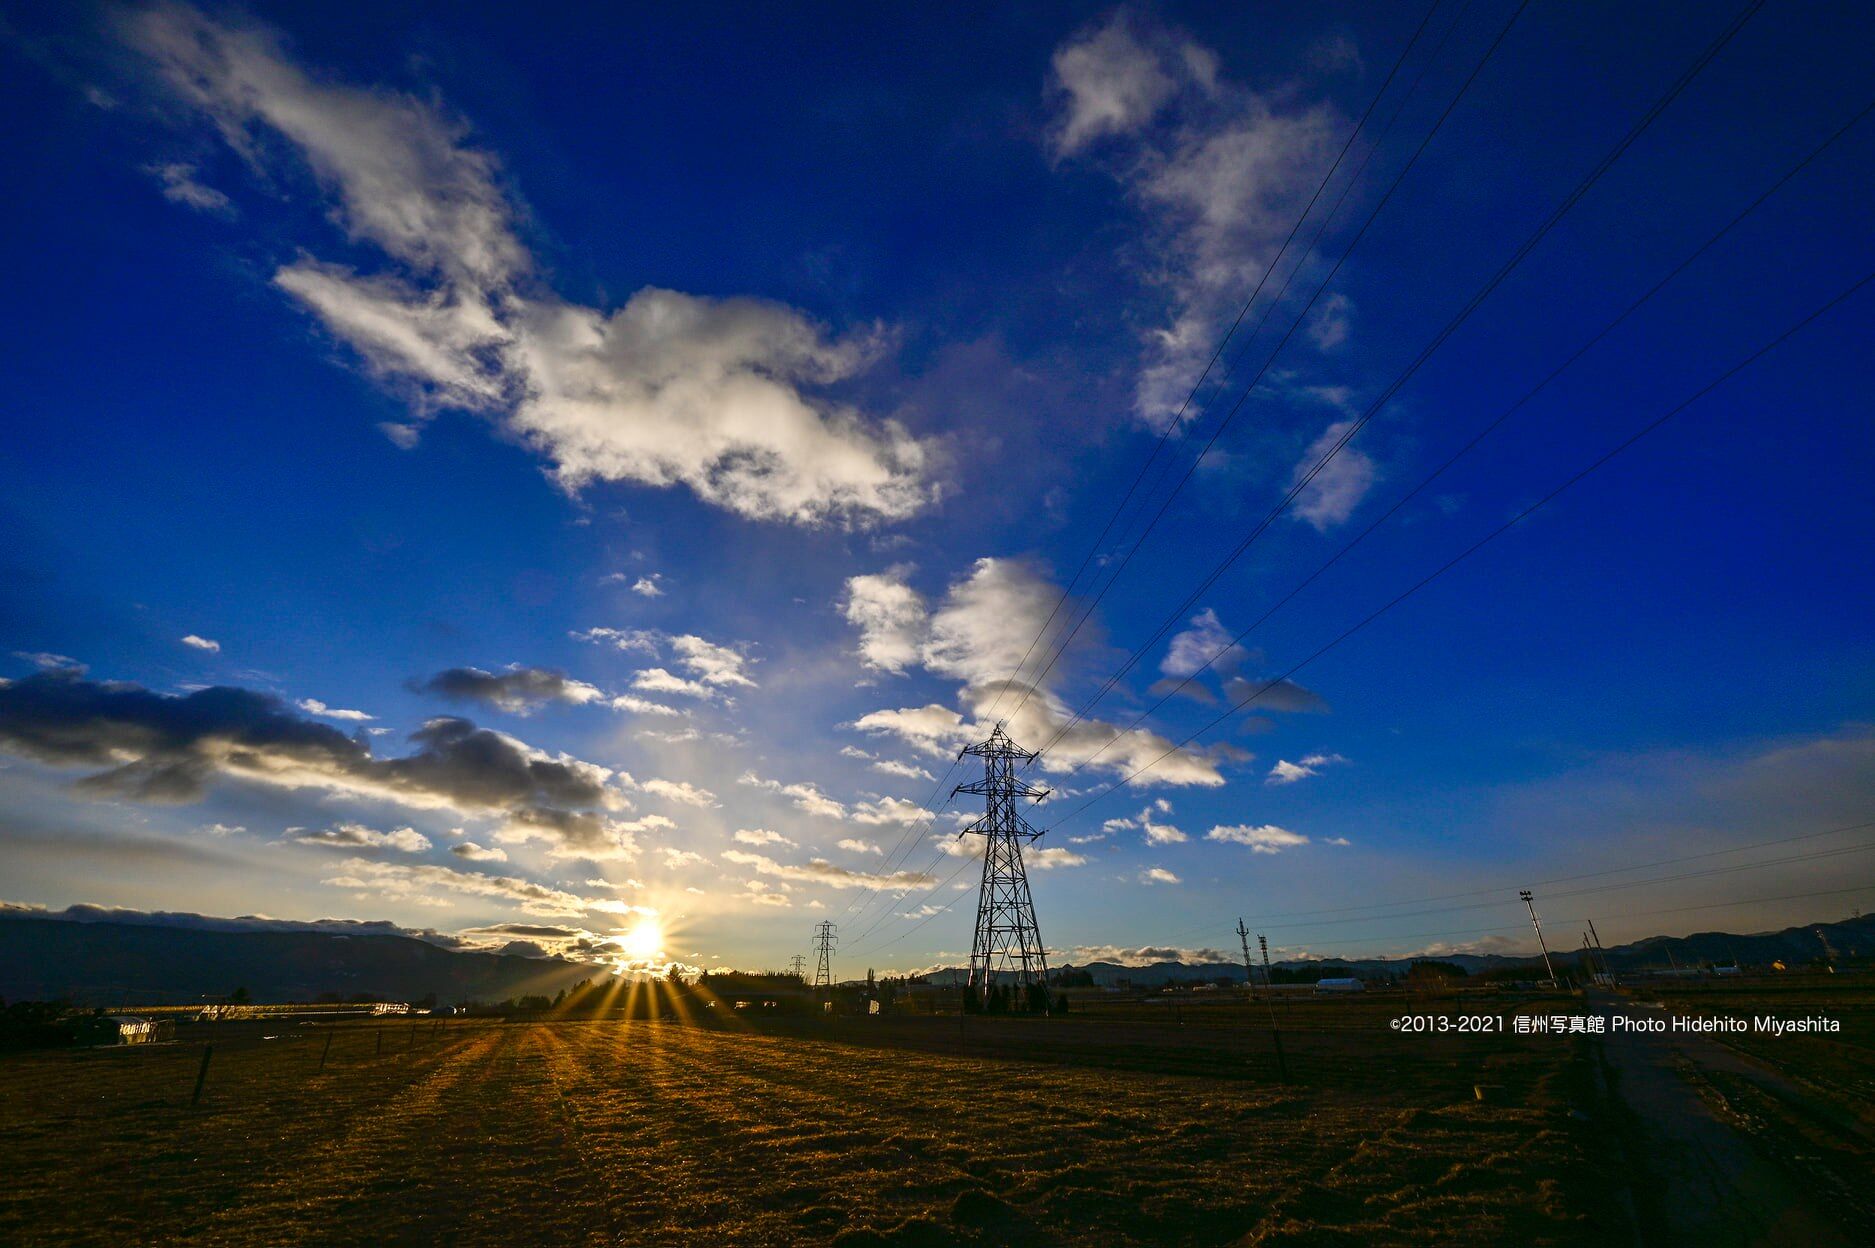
point(644, 941)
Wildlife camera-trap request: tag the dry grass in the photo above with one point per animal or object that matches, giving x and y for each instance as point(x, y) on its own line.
point(648, 1133)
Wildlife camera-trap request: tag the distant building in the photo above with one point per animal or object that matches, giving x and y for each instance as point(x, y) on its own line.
point(130, 1029)
point(1339, 985)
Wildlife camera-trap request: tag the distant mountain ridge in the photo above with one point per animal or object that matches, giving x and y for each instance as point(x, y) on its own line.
point(1795, 946)
point(143, 964)
point(103, 963)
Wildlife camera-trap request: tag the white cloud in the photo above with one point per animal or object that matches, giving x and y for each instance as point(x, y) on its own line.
point(1163, 834)
point(1157, 875)
point(45, 661)
point(1191, 649)
point(415, 882)
point(882, 810)
point(358, 836)
point(313, 706)
point(1286, 772)
point(713, 664)
point(681, 791)
point(1331, 497)
point(676, 858)
point(890, 617)
point(761, 836)
point(658, 680)
point(1267, 839)
point(1035, 857)
point(858, 847)
point(806, 797)
point(630, 640)
point(1220, 170)
point(893, 767)
point(820, 871)
point(1110, 82)
point(180, 186)
point(648, 587)
point(641, 706)
point(476, 853)
point(979, 633)
point(1048, 857)
point(1329, 323)
point(719, 395)
point(760, 894)
point(201, 643)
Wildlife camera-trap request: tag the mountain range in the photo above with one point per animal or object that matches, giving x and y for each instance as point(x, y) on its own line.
point(107, 963)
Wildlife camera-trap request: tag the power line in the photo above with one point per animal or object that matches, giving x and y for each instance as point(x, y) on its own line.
point(1578, 892)
point(1491, 427)
point(1452, 105)
point(1517, 927)
point(1230, 414)
point(1558, 879)
point(1465, 554)
point(1477, 299)
point(1482, 542)
point(909, 837)
point(1175, 424)
point(1594, 175)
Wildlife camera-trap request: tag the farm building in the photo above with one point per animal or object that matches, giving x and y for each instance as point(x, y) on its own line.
point(1339, 985)
point(99, 1029)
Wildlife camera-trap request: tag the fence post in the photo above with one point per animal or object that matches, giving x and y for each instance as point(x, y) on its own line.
point(380, 1042)
point(201, 1073)
point(323, 1053)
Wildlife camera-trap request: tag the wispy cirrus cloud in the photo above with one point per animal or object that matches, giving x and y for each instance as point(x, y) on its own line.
point(1219, 171)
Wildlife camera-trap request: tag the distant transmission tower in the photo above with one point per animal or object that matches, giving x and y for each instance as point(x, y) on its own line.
point(798, 964)
point(824, 941)
point(1007, 938)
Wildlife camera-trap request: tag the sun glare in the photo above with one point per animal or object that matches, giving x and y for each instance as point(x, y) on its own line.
point(644, 941)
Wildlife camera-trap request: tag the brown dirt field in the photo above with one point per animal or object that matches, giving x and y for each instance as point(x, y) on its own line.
point(611, 1132)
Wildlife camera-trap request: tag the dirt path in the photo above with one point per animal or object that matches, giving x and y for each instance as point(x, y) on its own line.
point(1703, 1180)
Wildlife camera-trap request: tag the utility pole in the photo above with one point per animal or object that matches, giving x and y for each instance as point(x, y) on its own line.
point(1007, 940)
point(1269, 1003)
point(1249, 977)
point(798, 964)
point(824, 941)
point(1829, 953)
point(1602, 953)
point(1530, 902)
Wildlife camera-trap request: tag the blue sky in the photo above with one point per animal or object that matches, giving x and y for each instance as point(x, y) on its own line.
point(567, 471)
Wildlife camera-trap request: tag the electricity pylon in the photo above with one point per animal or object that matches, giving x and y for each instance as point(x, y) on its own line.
point(824, 941)
point(798, 964)
point(1007, 938)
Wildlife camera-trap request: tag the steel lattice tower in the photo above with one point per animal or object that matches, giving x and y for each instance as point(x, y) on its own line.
point(824, 941)
point(1007, 937)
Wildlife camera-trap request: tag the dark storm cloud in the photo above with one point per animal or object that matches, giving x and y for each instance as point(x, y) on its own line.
point(157, 747)
point(517, 690)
